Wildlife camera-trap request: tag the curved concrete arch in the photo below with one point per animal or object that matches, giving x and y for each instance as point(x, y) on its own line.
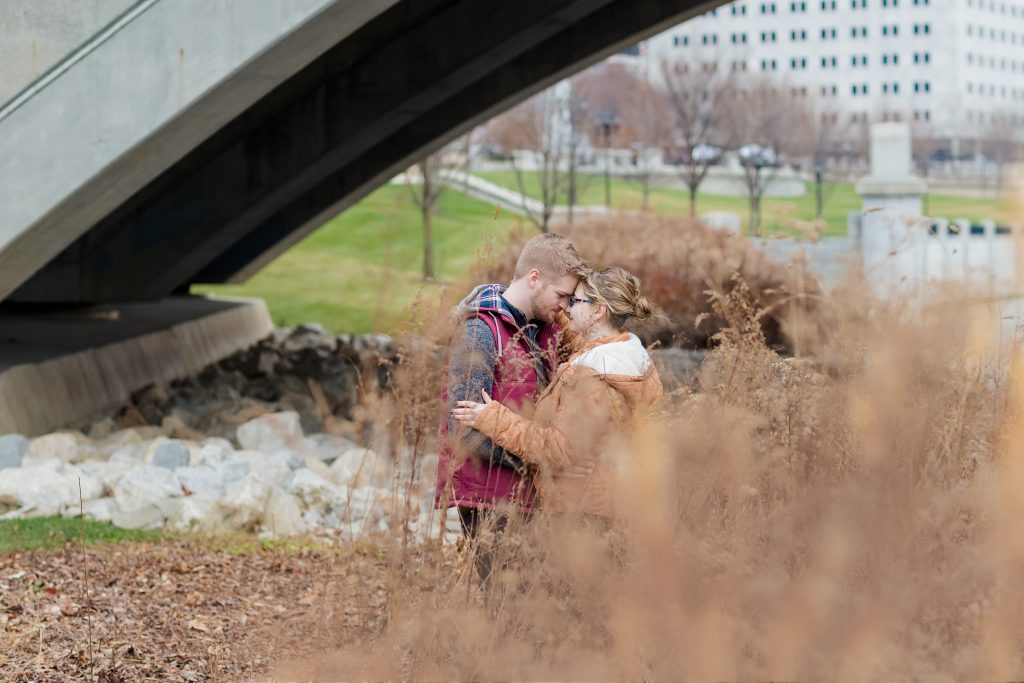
point(335, 104)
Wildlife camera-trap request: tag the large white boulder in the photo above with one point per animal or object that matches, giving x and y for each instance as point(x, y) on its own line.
point(327, 447)
point(272, 433)
point(60, 445)
point(318, 466)
point(289, 459)
point(199, 514)
point(145, 485)
point(233, 470)
point(361, 467)
point(13, 449)
point(315, 491)
point(130, 453)
point(245, 501)
point(367, 502)
point(100, 510)
point(262, 465)
point(89, 483)
point(46, 489)
point(204, 482)
point(213, 451)
point(111, 472)
point(125, 437)
point(171, 454)
point(283, 515)
point(151, 516)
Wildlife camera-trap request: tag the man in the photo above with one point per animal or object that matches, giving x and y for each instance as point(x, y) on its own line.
point(508, 348)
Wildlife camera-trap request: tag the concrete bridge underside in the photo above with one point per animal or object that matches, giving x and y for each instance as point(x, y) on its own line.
point(405, 81)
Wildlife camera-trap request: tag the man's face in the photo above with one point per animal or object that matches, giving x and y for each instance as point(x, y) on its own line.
point(549, 296)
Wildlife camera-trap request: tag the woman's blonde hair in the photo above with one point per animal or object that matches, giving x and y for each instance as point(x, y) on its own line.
point(619, 291)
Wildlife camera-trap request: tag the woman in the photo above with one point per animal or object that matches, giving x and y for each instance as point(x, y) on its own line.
point(593, 396)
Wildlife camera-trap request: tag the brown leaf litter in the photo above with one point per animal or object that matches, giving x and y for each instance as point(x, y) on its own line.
point(181, 610)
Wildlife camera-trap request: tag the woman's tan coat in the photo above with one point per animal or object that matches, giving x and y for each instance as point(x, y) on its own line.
point(582, 416)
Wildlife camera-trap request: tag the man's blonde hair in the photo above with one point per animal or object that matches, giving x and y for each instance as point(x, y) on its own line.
point(552, 255)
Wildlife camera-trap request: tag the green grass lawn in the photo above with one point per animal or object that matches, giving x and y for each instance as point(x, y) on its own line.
point(360, 271)
point(18, 535)
point(781, 215)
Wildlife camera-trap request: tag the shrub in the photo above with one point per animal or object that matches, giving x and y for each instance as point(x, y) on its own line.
point(681, 263)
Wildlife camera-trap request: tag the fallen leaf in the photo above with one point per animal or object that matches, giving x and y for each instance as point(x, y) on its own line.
point(197, 625)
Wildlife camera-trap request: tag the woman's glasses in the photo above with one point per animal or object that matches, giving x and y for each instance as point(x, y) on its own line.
point(573, 301)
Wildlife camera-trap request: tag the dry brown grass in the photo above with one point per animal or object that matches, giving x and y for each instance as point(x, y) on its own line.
point(679, 262)
point(850, 514)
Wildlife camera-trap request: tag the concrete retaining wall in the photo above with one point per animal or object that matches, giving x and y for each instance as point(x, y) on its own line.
point(43, 388)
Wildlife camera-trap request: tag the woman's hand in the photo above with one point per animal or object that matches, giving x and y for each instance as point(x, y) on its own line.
point(468, 412)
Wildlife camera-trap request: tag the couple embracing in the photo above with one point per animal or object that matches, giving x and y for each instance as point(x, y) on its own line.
point(545, 375)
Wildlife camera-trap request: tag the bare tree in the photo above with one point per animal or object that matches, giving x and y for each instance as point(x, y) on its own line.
point(924, 142)
point(829, 144)
point(767, 122)
point(425, 195)
point(698, 95)
point(539, 125)
point(643, 116)
point(650, 119)
point(1000, 141)
point(579, 114)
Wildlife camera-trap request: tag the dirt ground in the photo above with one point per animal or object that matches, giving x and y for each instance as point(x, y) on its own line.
point(179, 611)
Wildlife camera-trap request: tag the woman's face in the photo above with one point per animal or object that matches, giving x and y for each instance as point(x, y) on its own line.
point(581, 316)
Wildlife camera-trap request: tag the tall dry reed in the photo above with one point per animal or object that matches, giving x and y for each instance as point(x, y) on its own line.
point(852, 513)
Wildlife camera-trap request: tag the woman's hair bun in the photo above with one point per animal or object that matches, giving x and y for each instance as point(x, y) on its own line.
point(643, 308)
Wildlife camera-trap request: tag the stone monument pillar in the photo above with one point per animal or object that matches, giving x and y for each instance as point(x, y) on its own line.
point(892, 229)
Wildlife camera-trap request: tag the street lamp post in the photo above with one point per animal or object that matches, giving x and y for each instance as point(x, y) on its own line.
point(819, 199)
point(607, 120)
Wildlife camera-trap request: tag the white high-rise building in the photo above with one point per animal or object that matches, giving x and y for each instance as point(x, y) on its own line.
point(952, 66)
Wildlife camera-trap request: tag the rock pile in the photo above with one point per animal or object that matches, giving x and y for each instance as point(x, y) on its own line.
point(243, 445)
point(277, 481)
point(262, 441)
point(274, 375)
